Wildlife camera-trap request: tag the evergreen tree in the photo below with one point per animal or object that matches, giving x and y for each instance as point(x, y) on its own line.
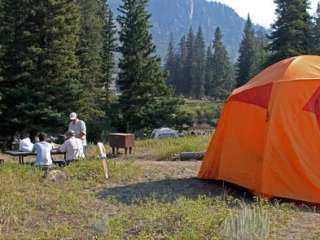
point(145, 101)
point(38, 41)
point(222, 69)
point(90, 58)
point(60, 66)
point(208, 72)
point(261, 55)
point(189, 65)
point(316, 33)
point(109, 48)
point(1, 48)
point(246, 60)
point(290, 34)
point(198, 70)
point(182, 58)
point(16, 74)
point(108, 70)
point(171, 64)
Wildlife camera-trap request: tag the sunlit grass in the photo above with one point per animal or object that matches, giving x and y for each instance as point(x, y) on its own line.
point(181, 219)
point(34, 208)
point(164, 149)
point(161, 149)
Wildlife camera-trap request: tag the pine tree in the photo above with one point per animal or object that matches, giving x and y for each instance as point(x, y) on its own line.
point(246, 60)
point(59, 24)
point(90, 58)
point(222, 69)
point(108, 68)
point(16, 73)
point(182, 57)
point(290, 34)
point(109, 48)
point(198, 66)
point(208, 72)
point(261, 55)
point(316, 33)
point(171, 64)
point(39, 63)
point(189, 65)
point(145, 101)
point(1, 48)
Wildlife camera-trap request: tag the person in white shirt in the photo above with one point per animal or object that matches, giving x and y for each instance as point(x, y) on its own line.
point(43, 150)
point(80, 129)
point(25, 145)
point(73, 147)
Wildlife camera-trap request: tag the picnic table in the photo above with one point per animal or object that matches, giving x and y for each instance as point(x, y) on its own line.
point(21, 154)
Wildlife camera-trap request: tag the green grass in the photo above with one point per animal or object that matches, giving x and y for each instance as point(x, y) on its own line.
point(181, 219)
point(205, 111)
point(33, 208)
point(164, 149)
point(196, 219)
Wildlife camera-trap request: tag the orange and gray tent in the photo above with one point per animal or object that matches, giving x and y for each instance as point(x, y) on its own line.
point(268, 135)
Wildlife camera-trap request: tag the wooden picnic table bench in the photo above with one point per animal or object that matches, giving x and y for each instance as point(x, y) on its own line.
point(21, 154)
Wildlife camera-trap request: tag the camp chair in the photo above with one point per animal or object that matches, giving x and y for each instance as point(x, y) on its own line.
point(103, 158)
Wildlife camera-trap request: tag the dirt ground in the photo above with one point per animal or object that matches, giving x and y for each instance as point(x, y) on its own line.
point(166, 181)
point(170, 180)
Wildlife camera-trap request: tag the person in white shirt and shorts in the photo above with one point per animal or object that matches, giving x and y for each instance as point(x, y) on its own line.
point(80, 129)
point(73, 147)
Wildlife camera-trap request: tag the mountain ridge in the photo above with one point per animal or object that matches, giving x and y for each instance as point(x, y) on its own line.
point(177, 16)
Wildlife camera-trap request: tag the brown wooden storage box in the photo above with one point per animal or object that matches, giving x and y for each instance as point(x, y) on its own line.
point(121, 140)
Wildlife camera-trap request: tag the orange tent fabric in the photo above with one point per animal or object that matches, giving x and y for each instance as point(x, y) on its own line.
point(268, 136)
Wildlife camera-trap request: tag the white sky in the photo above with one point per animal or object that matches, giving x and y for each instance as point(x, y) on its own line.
point(261, 11)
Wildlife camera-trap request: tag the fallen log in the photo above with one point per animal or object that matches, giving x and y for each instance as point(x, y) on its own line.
point(185, 156)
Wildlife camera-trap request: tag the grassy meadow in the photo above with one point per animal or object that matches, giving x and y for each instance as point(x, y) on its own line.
point(147, 197)
point(203, 111)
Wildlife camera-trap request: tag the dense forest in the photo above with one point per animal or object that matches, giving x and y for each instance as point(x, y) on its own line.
point(199, 73)
point(59, 56)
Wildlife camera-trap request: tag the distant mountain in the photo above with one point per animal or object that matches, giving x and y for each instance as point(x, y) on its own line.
point(176, 16)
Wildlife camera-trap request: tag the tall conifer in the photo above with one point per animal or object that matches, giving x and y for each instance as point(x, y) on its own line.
point(40, 68)
point(290, 34)
point(316, 33)
point(222, 69)
point(208, 72)
point(198, 66)
point(90, 58)
point(171, 64)
point(189, 65)
point(108, 52)
point(145, 100)
point(247, 51)
point(182, 58)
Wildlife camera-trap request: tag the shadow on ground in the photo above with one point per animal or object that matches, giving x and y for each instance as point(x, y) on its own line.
point(170, 189)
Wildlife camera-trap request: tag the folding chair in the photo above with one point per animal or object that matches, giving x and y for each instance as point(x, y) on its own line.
point(103, 158)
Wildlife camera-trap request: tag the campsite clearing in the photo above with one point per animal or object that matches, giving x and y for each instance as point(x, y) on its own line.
point(144, 199)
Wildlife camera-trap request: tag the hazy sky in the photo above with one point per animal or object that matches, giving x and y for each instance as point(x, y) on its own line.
point(261, 11)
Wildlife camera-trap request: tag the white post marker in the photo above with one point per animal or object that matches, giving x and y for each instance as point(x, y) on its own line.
point(103, 158)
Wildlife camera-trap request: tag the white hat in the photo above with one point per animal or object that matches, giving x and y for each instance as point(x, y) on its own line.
point(73, 116)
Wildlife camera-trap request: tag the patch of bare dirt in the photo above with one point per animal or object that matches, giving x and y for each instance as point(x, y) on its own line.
point(304, 225)
point(164, 181)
